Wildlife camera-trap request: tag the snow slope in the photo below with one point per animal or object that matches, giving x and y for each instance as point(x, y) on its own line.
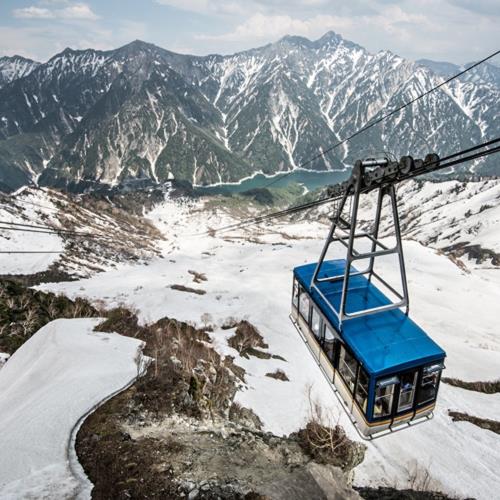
point(114, 234)
point(249, 276)
point(443, 214)
point(33, 207)
point(57, 376)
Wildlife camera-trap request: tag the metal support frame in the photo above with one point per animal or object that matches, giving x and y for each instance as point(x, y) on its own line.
point(378, 249)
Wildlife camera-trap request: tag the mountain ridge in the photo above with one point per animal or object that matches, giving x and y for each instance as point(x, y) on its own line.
point(87, 116)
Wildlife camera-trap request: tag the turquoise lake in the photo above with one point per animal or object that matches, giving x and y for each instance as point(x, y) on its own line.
point(309, 179)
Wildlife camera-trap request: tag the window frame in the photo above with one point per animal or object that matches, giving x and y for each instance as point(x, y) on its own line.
point(437, 372)
point(354, 374)
point(409, 406)
point(363, 406)
point(315, 312)
point(302, 293)
point(295, 296)
point(325, 342)
point(378, 383)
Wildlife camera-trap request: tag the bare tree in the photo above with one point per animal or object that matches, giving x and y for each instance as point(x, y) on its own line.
point(419, 477)
point(3, 329)
point(323, 439)
point(23, 302)
point(11, 302)
point(77, 309)
point(30, 320)
point(52, 308)
point(206, 319)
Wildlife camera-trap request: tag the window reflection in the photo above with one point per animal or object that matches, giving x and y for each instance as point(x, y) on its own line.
point(362, 389)
point(347, 368)
point(329, 344)
point(429, 385)
point(304, 305)
point(316, 323)
point(384, 397)
point(407, 391)
point(295, 296)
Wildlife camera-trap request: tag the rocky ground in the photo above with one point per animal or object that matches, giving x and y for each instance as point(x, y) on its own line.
point(178, 433)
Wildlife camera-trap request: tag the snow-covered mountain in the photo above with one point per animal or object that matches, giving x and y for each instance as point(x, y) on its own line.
point(89, 116)
point(111, 233)
point(12, 68)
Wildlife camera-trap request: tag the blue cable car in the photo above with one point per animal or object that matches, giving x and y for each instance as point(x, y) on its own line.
point(384, 368)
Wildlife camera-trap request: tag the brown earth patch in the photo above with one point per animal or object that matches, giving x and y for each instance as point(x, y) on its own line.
point(182, 288)
point(278, 375)
point(490, 387)
point(198, 277)
point(484, 423)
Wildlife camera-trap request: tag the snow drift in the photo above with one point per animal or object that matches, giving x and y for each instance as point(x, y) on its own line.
point(55, 378)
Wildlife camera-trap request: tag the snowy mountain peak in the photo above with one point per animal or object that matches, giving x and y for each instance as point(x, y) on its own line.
point(14, 67)
point(141, 111)
point(138, 46)
point(295, 40)
point(330, 38)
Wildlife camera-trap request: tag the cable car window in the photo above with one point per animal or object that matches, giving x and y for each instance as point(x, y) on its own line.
point(407, 391)
point(362, 389)
point(347, 368)
point(429, 384)
point(304, 305)
point(295, 296)
point(329, 343)
point(316, 323)
point(384, 397)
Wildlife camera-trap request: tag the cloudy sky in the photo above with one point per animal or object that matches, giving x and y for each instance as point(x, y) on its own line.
point(448, 30)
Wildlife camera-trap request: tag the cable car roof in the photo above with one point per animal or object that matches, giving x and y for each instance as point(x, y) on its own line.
point(384, 342)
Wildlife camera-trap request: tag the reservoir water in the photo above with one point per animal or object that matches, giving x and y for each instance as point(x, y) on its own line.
point(307, 178)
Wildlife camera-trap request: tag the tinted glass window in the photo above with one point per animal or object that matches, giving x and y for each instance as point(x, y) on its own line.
point(362, 389)
point(428, 386)
point(384, 396)
point(295, 297)
point(407, 391)
point(347, 368)
point(304, 305)
point(316, 323)
point(329, 343)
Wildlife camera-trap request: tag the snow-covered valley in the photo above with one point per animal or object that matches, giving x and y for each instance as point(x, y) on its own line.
point(249, 276)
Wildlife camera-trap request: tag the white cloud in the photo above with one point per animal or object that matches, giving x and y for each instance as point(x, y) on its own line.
point(260, 26)
point(455, 30)
point(39, 42)
point(76, 11)
point(33, 12)
point(224, 7)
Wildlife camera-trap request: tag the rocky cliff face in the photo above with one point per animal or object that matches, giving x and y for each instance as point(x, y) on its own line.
point(88, 117)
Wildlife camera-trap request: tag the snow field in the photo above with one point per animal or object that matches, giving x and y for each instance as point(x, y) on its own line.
point(57, 376)
point(252, 280)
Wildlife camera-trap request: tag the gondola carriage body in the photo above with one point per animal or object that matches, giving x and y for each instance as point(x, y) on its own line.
point(384, 368)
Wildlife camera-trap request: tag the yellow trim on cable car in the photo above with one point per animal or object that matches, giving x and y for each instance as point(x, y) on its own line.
point(369, 424)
